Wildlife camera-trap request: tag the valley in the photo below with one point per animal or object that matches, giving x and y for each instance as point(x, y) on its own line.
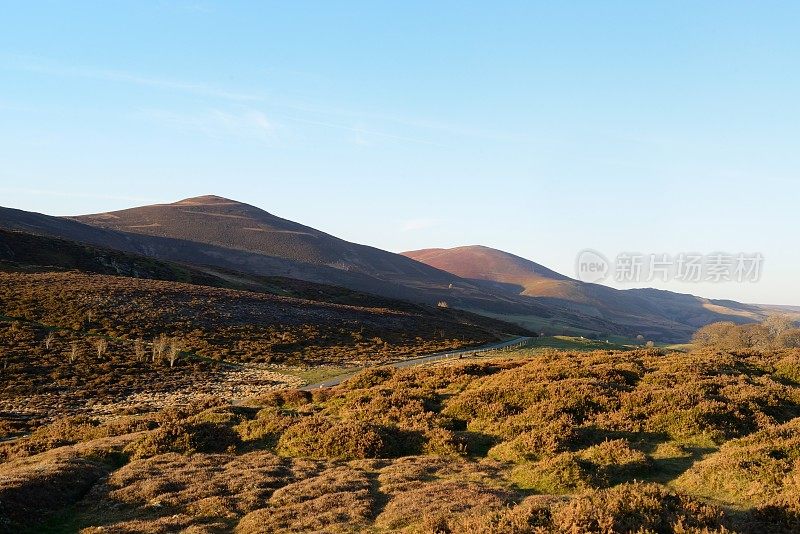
point(154, 381)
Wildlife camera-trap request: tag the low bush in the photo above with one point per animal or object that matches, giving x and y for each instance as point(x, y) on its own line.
point(318, 437)
point(636, 507)
point(615, 461)
point(186, 438)
point(558, 475)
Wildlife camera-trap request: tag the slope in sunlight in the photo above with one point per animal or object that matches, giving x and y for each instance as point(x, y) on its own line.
point(651, 310)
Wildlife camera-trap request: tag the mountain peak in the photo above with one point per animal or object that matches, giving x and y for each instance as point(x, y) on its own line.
point(205, 200)
point(484, 263)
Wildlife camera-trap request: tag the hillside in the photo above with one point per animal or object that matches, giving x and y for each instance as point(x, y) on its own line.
point(25, 252)
point(233, 325)
point(236, 242)
point(651, 311)
point(52, 324)
point(235, 225)
point(484, 263)
point(362, 269)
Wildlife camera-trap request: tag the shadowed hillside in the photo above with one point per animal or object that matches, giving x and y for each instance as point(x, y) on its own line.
point(363, 269)
point(227, 223)
point(25, 252)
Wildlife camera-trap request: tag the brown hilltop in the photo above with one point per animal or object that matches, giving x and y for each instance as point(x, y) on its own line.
point(648, 310)
point(220, 221)
point(483, 263)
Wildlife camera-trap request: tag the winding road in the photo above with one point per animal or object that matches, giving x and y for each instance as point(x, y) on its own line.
point(516, 342)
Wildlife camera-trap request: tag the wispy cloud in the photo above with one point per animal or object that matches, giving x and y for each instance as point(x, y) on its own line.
point(248, 123)
point(421, 223)
point(422, 130)
point(363, 131)
point(39, 65)
point(410, 121)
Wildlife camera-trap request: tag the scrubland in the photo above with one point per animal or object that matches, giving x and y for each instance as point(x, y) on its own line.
point(239, 326)
point(635, 441)
point(90, 344)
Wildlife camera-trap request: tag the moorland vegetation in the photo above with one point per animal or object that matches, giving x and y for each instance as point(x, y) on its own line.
point(637, 441)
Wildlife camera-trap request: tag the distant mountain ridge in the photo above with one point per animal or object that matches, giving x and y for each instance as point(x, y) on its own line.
point(625, 307)
point(221, 233)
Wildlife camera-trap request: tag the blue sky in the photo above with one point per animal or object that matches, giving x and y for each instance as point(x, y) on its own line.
point(540, 128)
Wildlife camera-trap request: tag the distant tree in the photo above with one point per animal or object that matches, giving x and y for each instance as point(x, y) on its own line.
point(789, 339)
point(101, 345)
point(722, 335)
point(138, 350)
point(754, 335)
point(777, 331)
point(650, 344)
point(173, 352)
point(777, 324)
point(159, 348)
point(74, 352)
point(48, 341)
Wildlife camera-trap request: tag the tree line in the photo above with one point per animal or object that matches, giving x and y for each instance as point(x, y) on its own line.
point(775, 332)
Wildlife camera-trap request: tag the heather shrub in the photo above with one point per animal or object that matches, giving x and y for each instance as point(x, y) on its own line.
point(222, 415)
point(635, 507)
point(266, 428)
point(780, 515)
point(443, 442)
point(545, 439)
point(198, 405)
point(429, 505)
point(560, 474)
point(285, 397)
point(186, 438)
point(615, 460)
point(788, 368)
point(71, 430)
point(319, 437)
point(369, 378)
point(336, 500)
point(531, 516)
point(750, 470)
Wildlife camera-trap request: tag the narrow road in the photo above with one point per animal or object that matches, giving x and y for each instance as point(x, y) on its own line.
point(517, 342)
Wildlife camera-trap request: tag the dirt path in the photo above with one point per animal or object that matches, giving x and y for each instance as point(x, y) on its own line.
point(517, 342)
